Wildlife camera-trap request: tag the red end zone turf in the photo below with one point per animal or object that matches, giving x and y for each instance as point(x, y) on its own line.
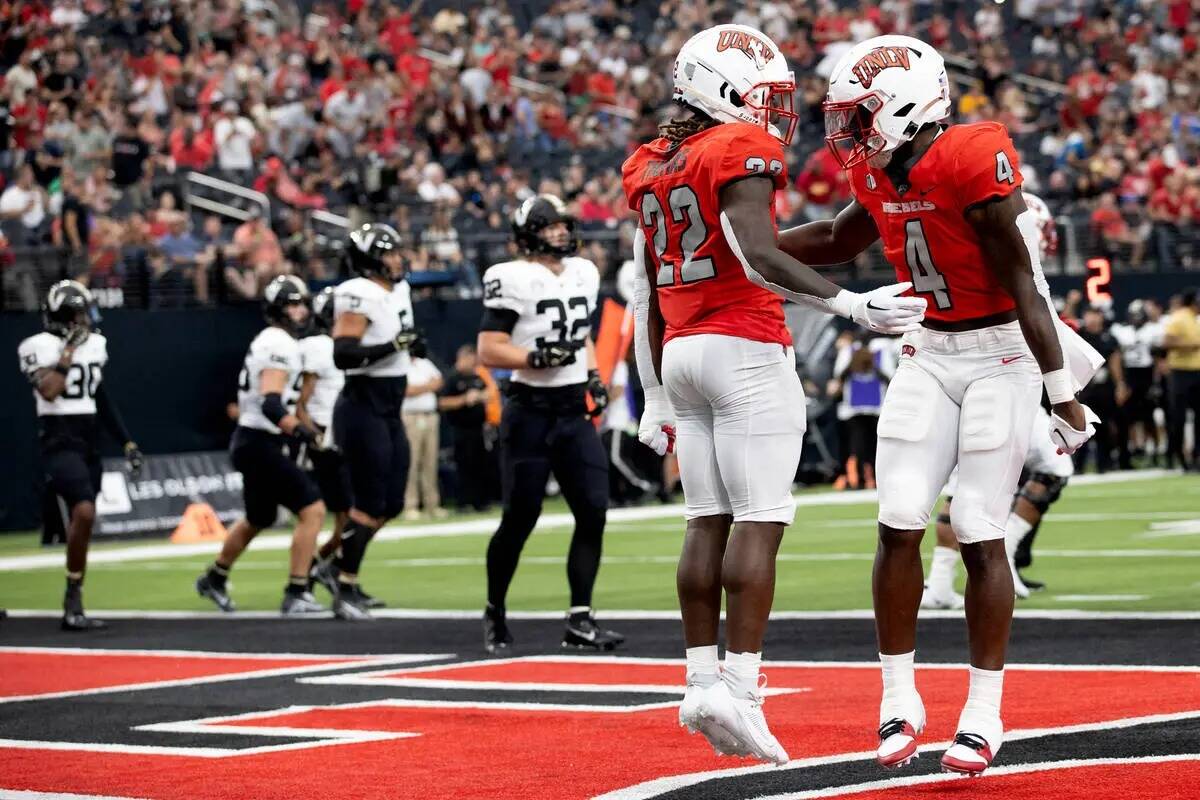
point(493, 751)
point(28, 672)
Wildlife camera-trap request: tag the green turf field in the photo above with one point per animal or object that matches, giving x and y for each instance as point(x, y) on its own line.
point(1102, 547)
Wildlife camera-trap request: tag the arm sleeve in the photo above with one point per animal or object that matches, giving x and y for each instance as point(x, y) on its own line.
point(641, 313)
point(111, 418)
point(986, 167)
point(750, 153)
point(499, 319)
point(351, 353)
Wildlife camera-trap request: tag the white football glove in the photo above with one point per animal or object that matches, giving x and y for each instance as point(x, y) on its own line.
point(882, 310)
point(1066, 438)
point(657, 427)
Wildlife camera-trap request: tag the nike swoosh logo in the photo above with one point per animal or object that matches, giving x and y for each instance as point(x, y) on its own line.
point(924, 192)
point(1010, 359)
point(590, 635)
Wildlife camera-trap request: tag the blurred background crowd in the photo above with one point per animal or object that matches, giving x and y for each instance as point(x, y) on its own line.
point(181, 152)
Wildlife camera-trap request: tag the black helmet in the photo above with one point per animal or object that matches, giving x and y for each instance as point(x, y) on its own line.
point(284, 291)
point(322, 311)
point(366, 248)
point(69, 303)
point(535, 215)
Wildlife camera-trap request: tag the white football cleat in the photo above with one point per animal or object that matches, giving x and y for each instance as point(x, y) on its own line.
point(690, 718)
point(742, 718)
point(973, 750)
point(936, 600)
point(901, 722)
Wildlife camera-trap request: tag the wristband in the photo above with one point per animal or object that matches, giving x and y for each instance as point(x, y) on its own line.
point(1058, 386)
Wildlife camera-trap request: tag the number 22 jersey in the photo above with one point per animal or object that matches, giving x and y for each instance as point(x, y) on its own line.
point(925, 234)
point(675, 191)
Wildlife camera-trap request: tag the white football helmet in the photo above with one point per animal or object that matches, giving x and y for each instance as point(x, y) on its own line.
point(1047, 231)
point(734, 73)
point(881, 93)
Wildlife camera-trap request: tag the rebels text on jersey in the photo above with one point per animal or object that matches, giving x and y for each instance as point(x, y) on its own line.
point(551, 309)
point(925, 234)
point(675, 190)
point(78, 398)
point(273, 348)
point(387, 313)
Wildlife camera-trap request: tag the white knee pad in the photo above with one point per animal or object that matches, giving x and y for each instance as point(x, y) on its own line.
point(973, 521)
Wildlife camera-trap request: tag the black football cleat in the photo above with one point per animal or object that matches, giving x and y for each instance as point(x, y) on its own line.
point(1031, 584)
point(366, 600)
point(347, 605)
point(207, 587)
point(496, 636)
point(583, 632)
point(74, 619)
point(326, 574)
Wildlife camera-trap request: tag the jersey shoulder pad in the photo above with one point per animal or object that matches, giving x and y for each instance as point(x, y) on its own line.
point(983, 162)
point(39, 350)
point(277, 347)
point(506, 285)
point(633, 171)
point(741, 150)
point(355, 296)
point(584, 265)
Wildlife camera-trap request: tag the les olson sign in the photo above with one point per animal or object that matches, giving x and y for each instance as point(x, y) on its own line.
point(154, 501)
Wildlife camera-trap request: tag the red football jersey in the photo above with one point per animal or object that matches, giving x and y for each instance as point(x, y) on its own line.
point(701, 285)
point(925, 235)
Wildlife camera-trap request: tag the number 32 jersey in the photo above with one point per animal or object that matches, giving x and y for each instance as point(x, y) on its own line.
point(925, 234)
point(42, 351)
point(675, 191)
point(551, 309)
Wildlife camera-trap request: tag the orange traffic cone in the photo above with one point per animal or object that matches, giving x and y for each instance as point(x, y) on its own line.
point(199, 524)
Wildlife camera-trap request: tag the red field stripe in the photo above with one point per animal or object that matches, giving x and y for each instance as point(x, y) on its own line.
point(1169, 780)
point(48, 673)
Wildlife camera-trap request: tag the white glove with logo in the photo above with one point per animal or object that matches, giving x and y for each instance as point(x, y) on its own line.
point(1066, 438)
point(657, 427)
point(882, 310)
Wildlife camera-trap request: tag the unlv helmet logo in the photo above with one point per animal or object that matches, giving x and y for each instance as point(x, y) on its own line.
point(755, 48)
point(879, 59)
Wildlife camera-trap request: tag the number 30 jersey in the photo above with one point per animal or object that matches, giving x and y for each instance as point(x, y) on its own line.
point(550, 309)
point(42, 351)
point(675, 191)
point(925, 234)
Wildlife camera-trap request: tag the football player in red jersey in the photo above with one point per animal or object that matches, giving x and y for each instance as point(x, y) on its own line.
point(946, 201)
point(715, 359)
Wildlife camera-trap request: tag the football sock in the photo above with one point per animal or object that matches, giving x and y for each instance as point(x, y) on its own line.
point(983, 700)
point(702, 665)
point(354, 547)
point(898, 675)
point(1014, 532)
point(942, 569)
point(217, 575)
point(583, 558)
point(297, 585)
point(741, 672)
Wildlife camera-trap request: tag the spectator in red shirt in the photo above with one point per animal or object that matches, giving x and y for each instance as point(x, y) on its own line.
point(1088, 88)
point(1116, 236)
point(1169, 213)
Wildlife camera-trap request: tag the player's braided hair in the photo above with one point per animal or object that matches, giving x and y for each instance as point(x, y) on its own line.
point(676, 130)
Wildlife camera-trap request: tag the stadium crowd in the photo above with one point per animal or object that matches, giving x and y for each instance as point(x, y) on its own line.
point(443, 119)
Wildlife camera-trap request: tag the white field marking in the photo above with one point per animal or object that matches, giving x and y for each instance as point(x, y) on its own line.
point(112, 651)
point(653, 788)
point(1160, 530)
point(377, 661)
point(1097, 598)
point(16, 794)
point(992, 772)
point(1051, 517)
point(614, 614)
point(483, 526)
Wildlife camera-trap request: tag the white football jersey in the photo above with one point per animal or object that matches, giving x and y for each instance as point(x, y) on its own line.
point(316, 357)
point(1138, 344)
point(387, 314)
point(42, 351)
point(273, 348)
point(551, 309)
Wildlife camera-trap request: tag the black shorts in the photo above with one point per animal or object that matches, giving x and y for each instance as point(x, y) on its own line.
point(332, 475)
point(375, 448)
point(535, 442)
point(73, 474)
point(269, 477)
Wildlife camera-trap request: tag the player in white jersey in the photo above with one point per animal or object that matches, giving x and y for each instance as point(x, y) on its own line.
point(258, 450)
point(65, 365)
point(320, 384)
point(1139, 339)
point(372, 334)
point(536, 322)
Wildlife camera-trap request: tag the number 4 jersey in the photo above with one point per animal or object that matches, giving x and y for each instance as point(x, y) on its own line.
point(549, 309)
point(925, 234)
point(675, 190)
point(42, 351)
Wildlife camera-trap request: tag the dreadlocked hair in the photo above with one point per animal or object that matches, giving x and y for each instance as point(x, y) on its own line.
point(676, 130)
